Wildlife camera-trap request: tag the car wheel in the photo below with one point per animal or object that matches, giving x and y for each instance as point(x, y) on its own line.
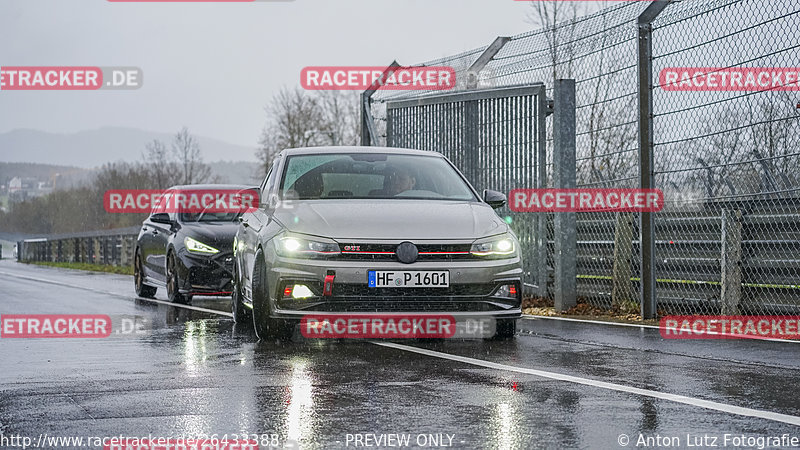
point(173, 281)
point(506, 329)
point(240, 312)
point(265, 326)
point(142, 290)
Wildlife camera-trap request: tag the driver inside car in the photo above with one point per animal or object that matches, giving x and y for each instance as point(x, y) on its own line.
point(398, 180)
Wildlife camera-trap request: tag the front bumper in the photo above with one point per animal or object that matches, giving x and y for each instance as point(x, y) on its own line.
point(472, 284)
point(205, 275)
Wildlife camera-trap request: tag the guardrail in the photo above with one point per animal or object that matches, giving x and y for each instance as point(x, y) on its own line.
point(110, 247)
point(729, 262)
point(724, 261)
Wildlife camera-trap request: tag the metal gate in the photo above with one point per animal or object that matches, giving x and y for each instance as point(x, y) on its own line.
point(497, 138)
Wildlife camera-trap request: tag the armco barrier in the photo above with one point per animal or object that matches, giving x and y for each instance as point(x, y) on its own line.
point(734, 258)
point(108, 247)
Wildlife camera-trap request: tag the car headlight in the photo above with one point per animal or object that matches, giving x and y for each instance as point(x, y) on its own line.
point(297, 247)
point(195, 246)
point(495, 247)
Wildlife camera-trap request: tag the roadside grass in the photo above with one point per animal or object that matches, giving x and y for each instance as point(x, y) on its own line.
point(126, 270)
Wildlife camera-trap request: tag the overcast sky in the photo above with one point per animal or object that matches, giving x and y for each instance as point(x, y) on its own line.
point(213, 66)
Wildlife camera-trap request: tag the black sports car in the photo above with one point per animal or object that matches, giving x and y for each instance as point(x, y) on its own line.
point(187, 252)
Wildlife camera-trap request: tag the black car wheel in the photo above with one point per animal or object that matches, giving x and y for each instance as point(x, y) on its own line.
point(240, 312)
point(173, 282)
point(265, 326)
point(506, 329)
point(142, 290)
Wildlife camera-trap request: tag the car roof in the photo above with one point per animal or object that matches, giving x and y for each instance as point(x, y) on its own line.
point(357, 149)
point(212, 187)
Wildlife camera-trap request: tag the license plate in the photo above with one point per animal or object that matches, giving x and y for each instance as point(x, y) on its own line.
point(426, 278)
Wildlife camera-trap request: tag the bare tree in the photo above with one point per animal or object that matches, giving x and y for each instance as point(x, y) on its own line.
point(341, 117)
point(162, 169)
point(186, 150)
point(576, 51)
point(558, 20)
point(297, 118)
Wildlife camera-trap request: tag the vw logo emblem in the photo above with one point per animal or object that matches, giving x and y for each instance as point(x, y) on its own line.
point(407, 253)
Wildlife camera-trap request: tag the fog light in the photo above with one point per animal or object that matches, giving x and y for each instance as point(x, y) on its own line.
point(507, 291)
point(297, 291)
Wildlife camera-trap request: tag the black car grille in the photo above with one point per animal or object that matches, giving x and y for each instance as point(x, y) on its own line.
point(413, 306)
point(386, 252)
point(457, 290)
point(361, 298)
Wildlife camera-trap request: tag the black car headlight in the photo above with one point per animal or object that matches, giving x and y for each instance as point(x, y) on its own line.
point(502, 246)
point(299, 247)
point(195, 246)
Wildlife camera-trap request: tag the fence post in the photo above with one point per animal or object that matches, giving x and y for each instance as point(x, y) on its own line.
point(124, 251)
point(731, 294)
point(470, 148)
point(623, 255)
point(96, 255)
point(83, 251)
point(474, 71)
point(541, 183)
point(564, 165)
point(649, 304)
point(369, 134)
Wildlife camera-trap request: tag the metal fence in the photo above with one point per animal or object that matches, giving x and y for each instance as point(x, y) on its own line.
point(110, 247)
point(495, 136)
point(727, 161)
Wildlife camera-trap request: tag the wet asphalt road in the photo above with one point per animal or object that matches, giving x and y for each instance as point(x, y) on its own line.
point(559, 384)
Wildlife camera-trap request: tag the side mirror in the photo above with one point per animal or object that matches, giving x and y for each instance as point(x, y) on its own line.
point(494, 199)
point(161, 218)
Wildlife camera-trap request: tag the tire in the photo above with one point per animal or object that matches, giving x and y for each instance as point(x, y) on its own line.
point(240, 312)
point(142, 290)
point(173, 281)
point(265, 326)
point(506, 329)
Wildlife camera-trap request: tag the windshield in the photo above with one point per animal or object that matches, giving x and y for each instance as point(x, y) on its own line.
point(207, 216)
point(372, 176)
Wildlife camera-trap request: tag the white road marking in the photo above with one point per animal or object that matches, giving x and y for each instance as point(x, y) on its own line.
point(707, 404)
point(600, 322)
point(731, 409)
point(114, 294)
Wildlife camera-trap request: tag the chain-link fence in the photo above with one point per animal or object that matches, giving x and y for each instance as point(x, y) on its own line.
point(727, 161)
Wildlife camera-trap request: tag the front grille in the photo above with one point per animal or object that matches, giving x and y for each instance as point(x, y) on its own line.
point(456, 290)
point(361, 298)
point(386, 252)
point(389, 306)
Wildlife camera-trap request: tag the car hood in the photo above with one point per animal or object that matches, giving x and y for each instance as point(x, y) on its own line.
point(391, 219)
point(216, 234)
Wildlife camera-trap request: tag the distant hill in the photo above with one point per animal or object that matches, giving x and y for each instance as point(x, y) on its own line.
point(233, 172)
point(93, 148)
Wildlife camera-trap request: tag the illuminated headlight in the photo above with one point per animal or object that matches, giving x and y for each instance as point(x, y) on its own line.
point(496, 247)
point(293, 246)
point(196, 246)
